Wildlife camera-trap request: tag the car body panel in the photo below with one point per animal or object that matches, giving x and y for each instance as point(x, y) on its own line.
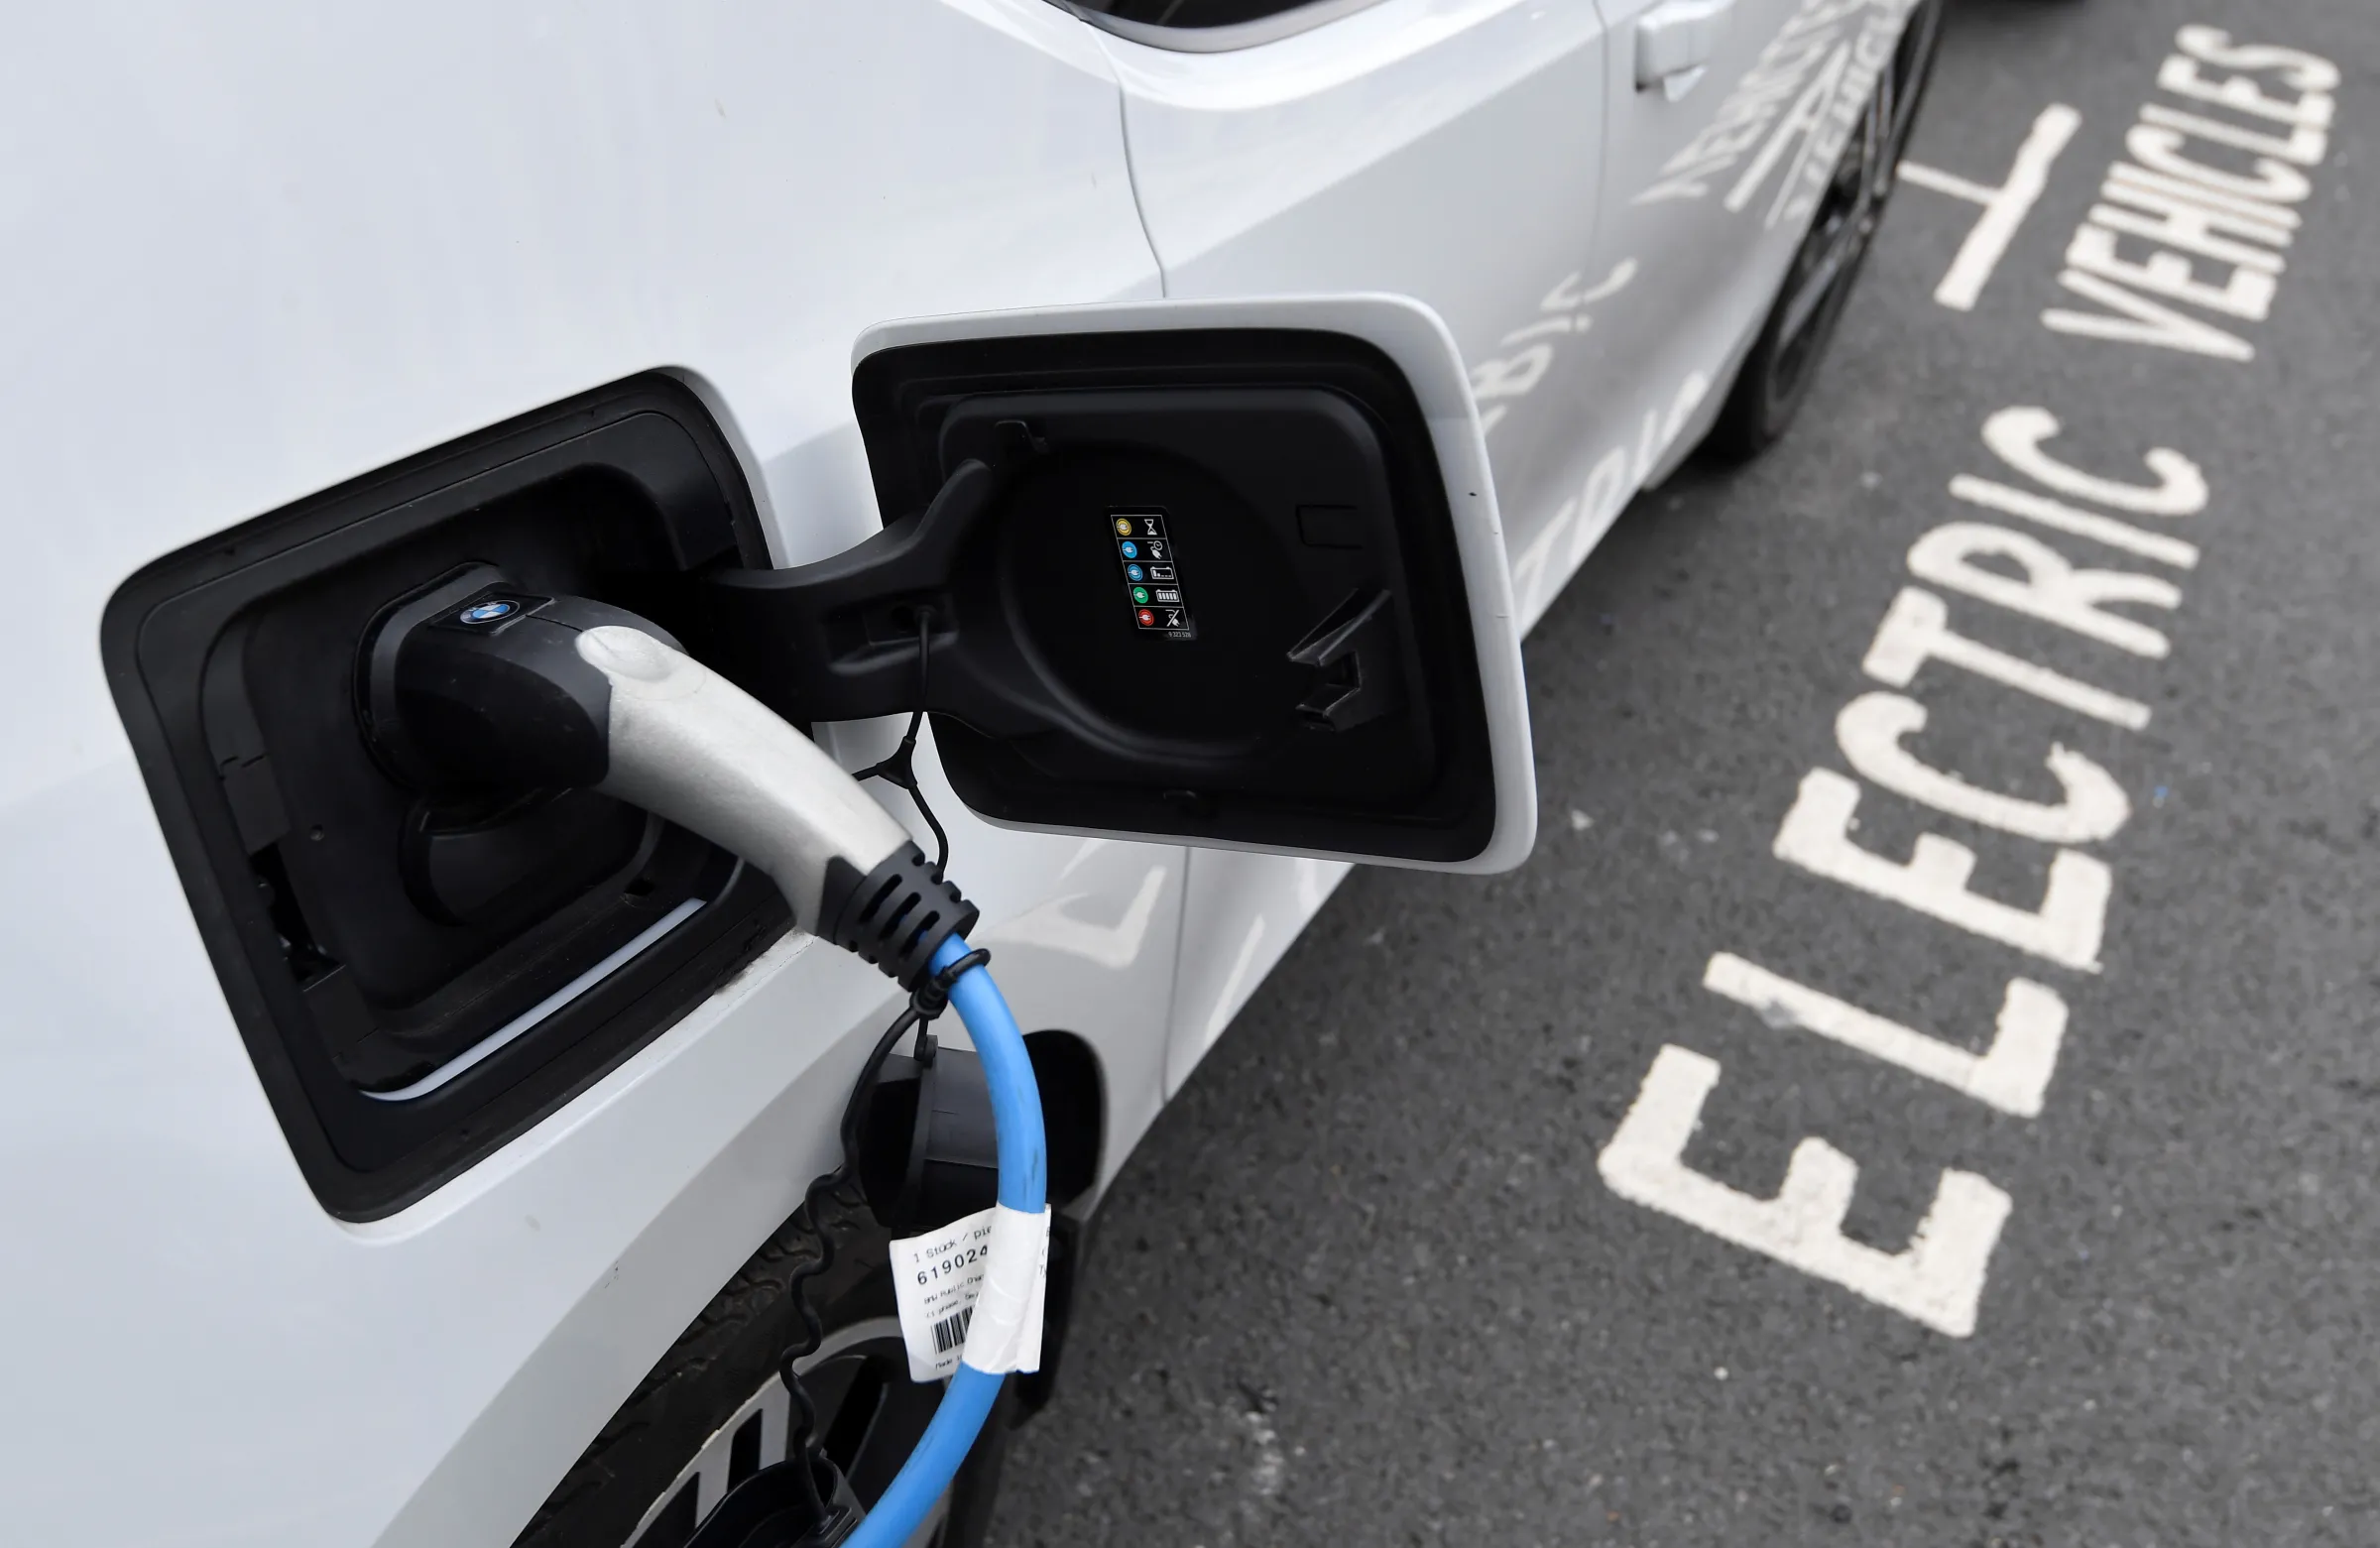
point(1239, 913)
point(1416, 341)
point(260, 252)
point(1450, 152)
point(1633, 348)
point(278, 249)
point(1447, 150)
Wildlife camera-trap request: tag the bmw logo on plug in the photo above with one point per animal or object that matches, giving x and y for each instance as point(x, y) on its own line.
point(488, 612)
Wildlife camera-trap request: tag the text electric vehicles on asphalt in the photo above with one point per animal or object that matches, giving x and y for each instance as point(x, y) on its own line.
point(404, 1106)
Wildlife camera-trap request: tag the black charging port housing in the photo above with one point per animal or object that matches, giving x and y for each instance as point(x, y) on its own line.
point(419, 979)
point(1191, 583)
point(1328, 699)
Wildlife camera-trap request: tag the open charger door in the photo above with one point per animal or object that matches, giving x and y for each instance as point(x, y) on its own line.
point(1222, 573)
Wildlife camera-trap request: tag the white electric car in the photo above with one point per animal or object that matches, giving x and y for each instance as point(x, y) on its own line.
point(391, 1167)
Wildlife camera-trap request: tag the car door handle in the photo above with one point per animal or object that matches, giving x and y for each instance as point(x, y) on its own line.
point(1678, 36)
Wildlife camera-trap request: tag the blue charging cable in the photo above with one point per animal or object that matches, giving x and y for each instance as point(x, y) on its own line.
point(472, 682)
point(1023, 1187)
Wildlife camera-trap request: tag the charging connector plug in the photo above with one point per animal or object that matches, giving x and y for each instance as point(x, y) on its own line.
point(475, 686)
point(479, 686)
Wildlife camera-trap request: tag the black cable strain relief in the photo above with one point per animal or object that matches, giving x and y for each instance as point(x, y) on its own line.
point(932, 997)
point(896, 916)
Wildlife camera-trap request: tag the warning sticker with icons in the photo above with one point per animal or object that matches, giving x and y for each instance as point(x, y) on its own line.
point(1151, 584)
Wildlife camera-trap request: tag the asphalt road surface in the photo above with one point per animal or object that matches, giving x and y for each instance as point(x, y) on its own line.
point(1392, 1272)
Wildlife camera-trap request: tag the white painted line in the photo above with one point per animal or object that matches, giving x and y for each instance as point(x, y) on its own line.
point(1870, 730)
point(1916, 628)
point(1937, 1279)
point(1816, 835)
point(2004, 207)
point(2011, 1076)
point(2082, 523)
point(1969, 558)
point(1943, 183)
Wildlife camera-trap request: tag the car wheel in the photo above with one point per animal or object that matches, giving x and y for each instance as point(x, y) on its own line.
point(1777, 374)
point(713, 1411)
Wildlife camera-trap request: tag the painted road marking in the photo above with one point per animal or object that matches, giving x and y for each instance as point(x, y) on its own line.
point(1937, 1279)
point(1917, 630)
point(2059, 516)
point(2203, 211)
point(2051, 590)
point(2004, 207)
point(1869, 732)
point(2065, 929)
point(2016, 436)
point(2011, 1075)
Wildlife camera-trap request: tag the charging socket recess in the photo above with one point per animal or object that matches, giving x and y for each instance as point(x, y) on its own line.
point(1207, 583)
point(419, 982)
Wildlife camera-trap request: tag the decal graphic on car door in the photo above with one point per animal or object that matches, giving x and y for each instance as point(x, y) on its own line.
point(1692, 88)
point(1451, 151)
point(1447, 150)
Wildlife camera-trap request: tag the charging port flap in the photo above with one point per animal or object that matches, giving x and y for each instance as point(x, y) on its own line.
point(1225, 572)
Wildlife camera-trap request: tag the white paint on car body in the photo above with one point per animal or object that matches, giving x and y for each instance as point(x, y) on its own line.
point(1795, 108)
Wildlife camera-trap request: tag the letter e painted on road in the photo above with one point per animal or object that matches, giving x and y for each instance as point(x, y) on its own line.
point(2012, 1075)
point(1937, 1279)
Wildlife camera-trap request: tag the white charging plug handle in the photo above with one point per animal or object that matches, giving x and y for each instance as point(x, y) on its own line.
point(691, 746)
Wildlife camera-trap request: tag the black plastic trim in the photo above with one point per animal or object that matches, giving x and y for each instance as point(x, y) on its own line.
point(367, 1158)
point(1291, 18)
point(919, 407)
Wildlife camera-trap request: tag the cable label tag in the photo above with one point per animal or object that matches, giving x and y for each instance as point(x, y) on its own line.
point(975, 1288)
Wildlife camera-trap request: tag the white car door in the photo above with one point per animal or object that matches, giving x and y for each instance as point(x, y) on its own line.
point(281, 250)
point(1725, 117)
point(1674, 280)
point(1447, 150)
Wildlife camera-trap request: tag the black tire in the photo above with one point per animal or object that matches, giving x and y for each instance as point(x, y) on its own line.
point(717, 1388)
point(1776, 375)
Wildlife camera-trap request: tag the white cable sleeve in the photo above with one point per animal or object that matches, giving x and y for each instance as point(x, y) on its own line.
point(1005, 1334)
